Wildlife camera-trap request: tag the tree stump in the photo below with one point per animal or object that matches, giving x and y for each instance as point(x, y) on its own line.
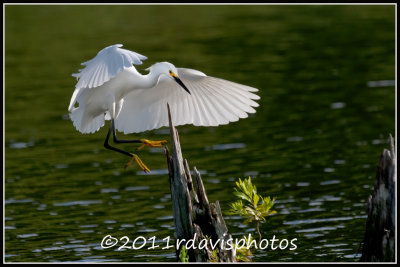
point(195, 218)
point(380, 234)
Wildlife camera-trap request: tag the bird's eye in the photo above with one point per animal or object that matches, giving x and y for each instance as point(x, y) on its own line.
point(172, 74)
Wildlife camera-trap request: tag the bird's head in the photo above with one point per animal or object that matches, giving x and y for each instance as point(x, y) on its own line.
point(169, 70)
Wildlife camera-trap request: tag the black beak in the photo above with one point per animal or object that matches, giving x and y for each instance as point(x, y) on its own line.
point(181, 84)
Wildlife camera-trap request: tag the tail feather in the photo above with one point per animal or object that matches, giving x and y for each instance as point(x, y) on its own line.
point(84, 122)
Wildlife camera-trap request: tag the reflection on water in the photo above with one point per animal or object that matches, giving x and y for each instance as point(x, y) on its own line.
point(326, 109)
point(226, 146)
point(338, 105)
point(383, 83)
point(20, 145)
point(79, 202)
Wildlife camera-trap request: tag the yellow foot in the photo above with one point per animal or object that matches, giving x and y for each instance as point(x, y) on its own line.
point(139, 162)
point(151, 143)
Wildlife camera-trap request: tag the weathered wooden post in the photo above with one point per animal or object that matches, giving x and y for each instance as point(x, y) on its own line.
point(380, 234)
point(195, 218)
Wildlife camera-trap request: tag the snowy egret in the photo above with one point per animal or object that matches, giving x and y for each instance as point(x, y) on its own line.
point(110, 88)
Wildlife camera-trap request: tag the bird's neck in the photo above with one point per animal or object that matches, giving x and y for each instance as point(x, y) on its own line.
point(149, 80)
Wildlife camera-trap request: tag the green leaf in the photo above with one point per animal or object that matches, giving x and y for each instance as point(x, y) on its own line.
point(242, 196)
point(256, 207)
point(183, 255)
point(256, 198)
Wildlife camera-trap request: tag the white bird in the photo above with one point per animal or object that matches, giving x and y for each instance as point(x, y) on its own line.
point(110, 88)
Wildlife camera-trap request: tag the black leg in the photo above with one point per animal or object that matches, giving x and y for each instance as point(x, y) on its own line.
point(116, 140)
point(106, 145)
point(133, 156)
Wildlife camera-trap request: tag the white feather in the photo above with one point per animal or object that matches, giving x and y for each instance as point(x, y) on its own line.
point(212, 102)
point(103, 67)
point(109, 87)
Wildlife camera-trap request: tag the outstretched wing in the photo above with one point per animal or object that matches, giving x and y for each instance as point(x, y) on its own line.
point(104, 66)
point(212, 102)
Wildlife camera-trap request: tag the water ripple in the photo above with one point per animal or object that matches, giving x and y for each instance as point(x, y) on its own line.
point(109, 190)
point(338, 105)
point(318, 229)
point(15, 201)
point(309, 221)
point(381, 83)
point(27, 235)
point(20, 145)
point(330, 182)
point(78, 202)
point(153, 172)
point(137, 188)
point(294, 139)
point(226, 146)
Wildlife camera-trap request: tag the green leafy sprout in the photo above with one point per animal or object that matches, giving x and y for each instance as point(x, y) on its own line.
point(255, 207)
point(242, 253)
point(183, 255)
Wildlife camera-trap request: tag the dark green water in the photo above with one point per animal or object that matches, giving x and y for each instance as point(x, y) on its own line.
point(326, 79)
